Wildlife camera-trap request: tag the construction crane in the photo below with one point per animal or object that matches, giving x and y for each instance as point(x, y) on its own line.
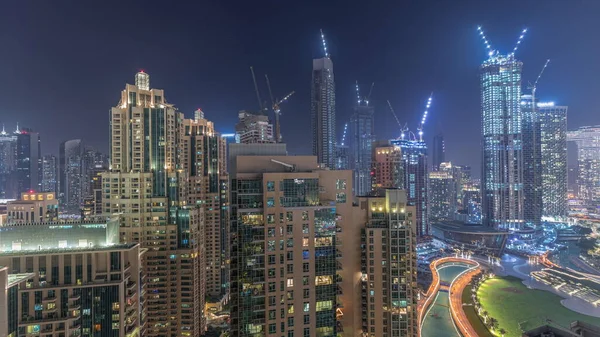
point(324, 44)
point(370, 92)
point(533, 86)
point(486, 41)
point(519, 41)
point(276, 109)
point(260, 104)
point(403, 128)
point(420, 128)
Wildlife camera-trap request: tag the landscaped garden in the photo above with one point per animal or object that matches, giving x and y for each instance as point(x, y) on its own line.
point(514, 308)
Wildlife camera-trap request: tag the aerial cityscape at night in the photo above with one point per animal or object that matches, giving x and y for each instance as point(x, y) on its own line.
point(435, 173)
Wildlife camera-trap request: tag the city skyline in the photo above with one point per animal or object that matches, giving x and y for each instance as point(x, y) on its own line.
point(222, 97)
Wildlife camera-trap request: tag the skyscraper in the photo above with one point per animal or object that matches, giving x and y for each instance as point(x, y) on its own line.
point(322, 110)
point(29, 161)
point(8, 165)
point(442, 195)
point(71, 173)
point(438, 151)
point(587, 139)
point(532, 161)
point(50, 174)
point(362, 131)
point(414, 181)
point(342, 152)
point(150, 193)
point(553, 143)
point(388, 265)
point(284, 241)
point(253, 128)
point(502, 168)
point(387, 166)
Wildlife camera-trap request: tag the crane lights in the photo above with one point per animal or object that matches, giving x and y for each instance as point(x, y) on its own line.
point(492, 52)
point(324, 44)
point(519, 41)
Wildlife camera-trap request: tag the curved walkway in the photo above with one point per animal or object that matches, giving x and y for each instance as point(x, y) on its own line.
point(433, 291)
point(456, 304)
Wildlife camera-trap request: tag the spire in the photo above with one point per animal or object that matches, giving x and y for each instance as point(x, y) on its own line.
point(3, 133)
point(17, 131)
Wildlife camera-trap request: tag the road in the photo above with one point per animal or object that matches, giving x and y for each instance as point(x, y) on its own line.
point(456, 304)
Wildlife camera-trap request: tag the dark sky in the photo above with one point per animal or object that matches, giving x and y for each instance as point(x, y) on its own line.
point(64, 63)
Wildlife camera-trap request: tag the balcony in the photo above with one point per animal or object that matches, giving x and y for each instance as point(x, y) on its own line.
point(74, 297)
point(49, 299)
point(74, 306)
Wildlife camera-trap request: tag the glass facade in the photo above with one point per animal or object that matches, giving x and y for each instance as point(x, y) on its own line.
point(362, 136)
point(322, 112)
point(532, 162)
point(502, 178)
point(553, 143)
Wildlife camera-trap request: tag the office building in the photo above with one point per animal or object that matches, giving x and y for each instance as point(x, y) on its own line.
point(33, 208)
point(362, 129)
point(587, 139)
point(388, 280)
point(286, 213)
point(70, 279)
point(92, 204)
point(322, 112)
point(205, 161)
point(71, 175)
point(553, 143)
point(471, 201)
point(50, 174)
point(29, 161)
point(438, 155)
point(253, 128)
point(148, 191)
point(414, 168)
point(387, 166)
point(442, 195)
point(502, 168)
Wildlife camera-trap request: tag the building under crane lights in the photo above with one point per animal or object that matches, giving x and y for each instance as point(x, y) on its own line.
point(322, 110)
point(362, 129)
point(342, 153)
point(502, 168)
point(553, 143)
point(587, 139)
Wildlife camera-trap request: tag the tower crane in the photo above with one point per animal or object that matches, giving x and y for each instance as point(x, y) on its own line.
point(324, 44)
point(364, 99)
point(403, 128)
point(276, 109)
point(370, 92)
point(260, 104)
point(420, 128)
point(533, 86)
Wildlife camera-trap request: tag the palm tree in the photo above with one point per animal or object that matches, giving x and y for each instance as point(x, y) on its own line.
point(485, 317)
point(502, 332)
point(493, 323)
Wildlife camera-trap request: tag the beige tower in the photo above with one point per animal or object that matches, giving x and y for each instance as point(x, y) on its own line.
point(147, 188)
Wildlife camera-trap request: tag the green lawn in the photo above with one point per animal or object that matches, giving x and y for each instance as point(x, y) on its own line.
point(471, 314)
point(515, 306)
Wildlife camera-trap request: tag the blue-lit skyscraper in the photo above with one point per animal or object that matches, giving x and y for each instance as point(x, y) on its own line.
point(532, 162)
point(361, 144)
point(553, 143)
point(502, 167)
point(414, 167)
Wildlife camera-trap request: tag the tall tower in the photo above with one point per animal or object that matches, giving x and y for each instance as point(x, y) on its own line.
point(438, 152)
point(502, 168)
point(414, 181)
point(362, 131)
point(8, 165)
point(322, 110)
point(50, 174)
point(29, 161)
point(149, 191)
point(553, 139)
point(532, 161)
point(71, 175)
point(587, 139)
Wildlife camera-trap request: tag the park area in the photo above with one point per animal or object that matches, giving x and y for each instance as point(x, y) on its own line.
point(518, 308)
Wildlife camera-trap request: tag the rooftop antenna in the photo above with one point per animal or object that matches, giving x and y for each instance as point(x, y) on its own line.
point(260, 105)
point(357, 94)
point(486, 41)
point(403, 128)
point(519, 41)
point(420, 128)
point(324, 44)
point(370, 91)
point(17, 130)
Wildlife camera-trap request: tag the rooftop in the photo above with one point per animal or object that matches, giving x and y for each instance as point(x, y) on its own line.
point(461, 227)
point(69, 250)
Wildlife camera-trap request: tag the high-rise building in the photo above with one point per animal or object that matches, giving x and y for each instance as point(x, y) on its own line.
point(471, 202)
point(322, 111)
point(33, 208)
point(50, 174)
point(71, 175)
point(8, 165)
point(29, 161)
point(253, 128)
point(70, 279)
point(286, 214)
point(442, 195)
point(438, 155)
point(553, 143)
point(502, 168)
point(388, 265)
point(414, 180)
point(342, 152)
point(149, 192)
point(362, 131)
point(205, 161)
point(587, 139)
point(572, 175)
point(532, 161)
point(387, 166)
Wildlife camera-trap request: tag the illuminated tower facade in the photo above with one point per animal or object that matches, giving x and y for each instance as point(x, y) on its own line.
point(149, 191)
point(438, 152)
point(322, 110)
point(587, 139)
point(501, 121)
point(362, 136)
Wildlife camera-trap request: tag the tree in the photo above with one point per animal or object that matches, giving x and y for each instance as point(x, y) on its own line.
point(502, 332)
point(493, 323)
point(485, 316)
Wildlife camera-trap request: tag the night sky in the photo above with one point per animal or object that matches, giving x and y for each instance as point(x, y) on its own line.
point(64, 63)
